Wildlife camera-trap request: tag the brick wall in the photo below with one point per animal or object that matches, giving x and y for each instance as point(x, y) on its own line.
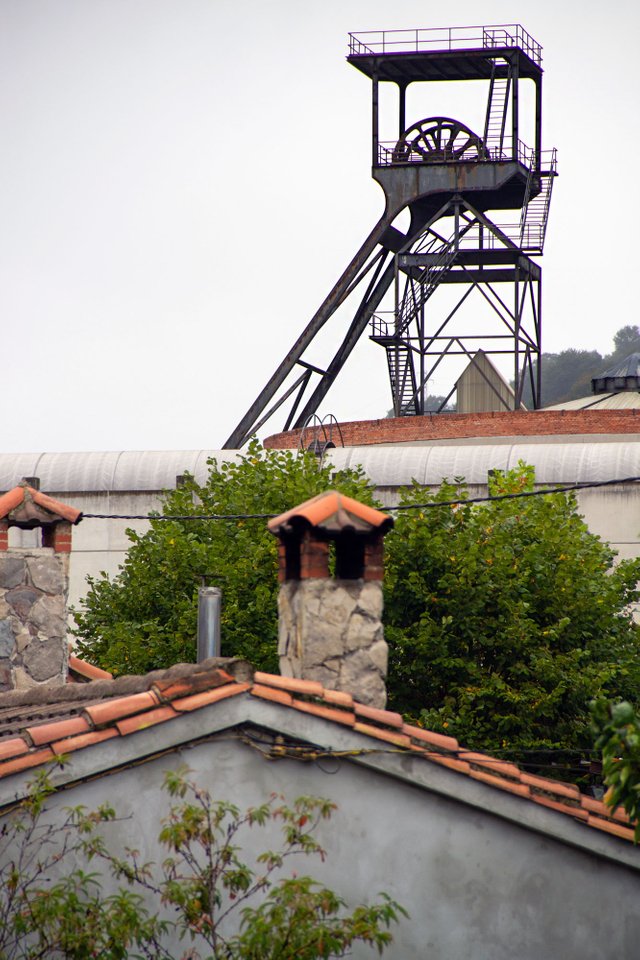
point(445, 426)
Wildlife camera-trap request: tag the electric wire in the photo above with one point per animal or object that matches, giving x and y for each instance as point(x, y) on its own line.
point(459, 502)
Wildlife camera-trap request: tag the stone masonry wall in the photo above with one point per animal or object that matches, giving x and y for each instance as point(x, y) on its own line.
point(331, 631)
point(33, 598)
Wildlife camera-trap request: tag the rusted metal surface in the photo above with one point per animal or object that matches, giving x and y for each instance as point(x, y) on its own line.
point(450, 180)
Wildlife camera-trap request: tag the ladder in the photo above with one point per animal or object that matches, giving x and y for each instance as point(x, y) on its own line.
point(496, 117)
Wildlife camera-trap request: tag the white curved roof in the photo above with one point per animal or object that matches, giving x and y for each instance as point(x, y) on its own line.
point(387, 466)
point(556, 462)
point(108, 471)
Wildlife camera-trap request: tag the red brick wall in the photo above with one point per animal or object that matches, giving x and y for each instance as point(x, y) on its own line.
point(446, 426)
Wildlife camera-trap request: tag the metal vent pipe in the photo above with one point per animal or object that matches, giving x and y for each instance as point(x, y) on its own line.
point(209, 606)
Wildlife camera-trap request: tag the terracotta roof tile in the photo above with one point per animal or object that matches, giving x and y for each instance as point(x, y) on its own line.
point(460, 766)
point(575, 811)
point(502, 784)
point(171, 689)
point(271, 693)
point(385, 717)
point(598, 807)
point(59, 729)
point(103, 713)
point(400, 739)
point(87, 670)
point(10, 500)
point(339, 698)
point(83, 740)
point(609, 827)
point(333, 512)
point(12, 748)
point(33, 759)
point(433, 739)
point(54, 506)
point(204, 699)
point(147, 719)
point(551, 786)
point(327, 713)
point(490, 763)
point(311, 687)
point(14, 498)
point(63, 720)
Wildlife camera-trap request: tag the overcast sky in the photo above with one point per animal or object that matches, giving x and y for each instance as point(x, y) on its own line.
point(182, 182)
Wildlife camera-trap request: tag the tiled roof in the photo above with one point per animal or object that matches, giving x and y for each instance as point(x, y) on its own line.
point(82, 672)
point(333, 513)
point(36, 726)
point(26, 505)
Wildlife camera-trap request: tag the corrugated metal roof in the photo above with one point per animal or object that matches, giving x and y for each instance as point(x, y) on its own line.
point(108, 470)
point(387, 466)
point(557, 462)
point(622, 400)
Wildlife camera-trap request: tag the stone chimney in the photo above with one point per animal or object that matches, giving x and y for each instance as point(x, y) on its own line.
point(330, 628)
point(34, 584)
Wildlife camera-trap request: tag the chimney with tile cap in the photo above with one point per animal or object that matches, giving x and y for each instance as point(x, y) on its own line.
point(330, 628)
point(34, 584)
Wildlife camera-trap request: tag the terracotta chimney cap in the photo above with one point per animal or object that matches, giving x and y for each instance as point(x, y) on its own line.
point(26, 507)
point(332, 514)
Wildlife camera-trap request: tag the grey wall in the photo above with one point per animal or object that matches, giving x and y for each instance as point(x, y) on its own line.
point(477, 887)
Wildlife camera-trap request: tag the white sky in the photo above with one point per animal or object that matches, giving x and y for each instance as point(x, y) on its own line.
point(183, 181)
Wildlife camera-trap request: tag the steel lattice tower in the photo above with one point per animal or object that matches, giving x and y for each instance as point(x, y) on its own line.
point(453, 181)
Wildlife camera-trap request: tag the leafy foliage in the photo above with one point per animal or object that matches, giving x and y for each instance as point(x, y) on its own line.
point(204, 884)
point(616, 727)
point(41, 916)
point(145, 617)
point(505, 619)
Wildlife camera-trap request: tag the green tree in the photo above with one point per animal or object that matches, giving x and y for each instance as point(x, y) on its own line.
point(204, 892)
point(506, 618)
point(616, 727)
point(145, 617)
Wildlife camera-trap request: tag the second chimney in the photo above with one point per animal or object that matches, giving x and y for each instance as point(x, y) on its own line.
point(330, 628)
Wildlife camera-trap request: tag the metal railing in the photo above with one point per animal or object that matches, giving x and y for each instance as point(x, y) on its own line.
point(392, 152)
point(376, 42)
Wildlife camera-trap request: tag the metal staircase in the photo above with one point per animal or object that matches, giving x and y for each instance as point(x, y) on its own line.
point(402, 377)
point(496, 117)
point(428, 281)
point(535, 211)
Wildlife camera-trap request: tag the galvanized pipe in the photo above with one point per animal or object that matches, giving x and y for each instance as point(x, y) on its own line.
point(209, 606)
